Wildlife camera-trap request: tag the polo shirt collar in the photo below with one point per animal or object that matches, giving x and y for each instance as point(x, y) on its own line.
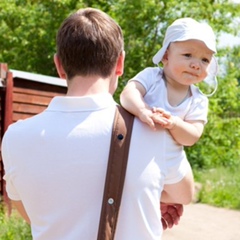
point(86, 103)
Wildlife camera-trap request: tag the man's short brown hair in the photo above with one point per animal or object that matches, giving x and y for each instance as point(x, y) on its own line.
point(89, 42)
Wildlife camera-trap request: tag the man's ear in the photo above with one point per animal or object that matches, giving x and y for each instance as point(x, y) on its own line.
point(120, 64)
point(59, 67)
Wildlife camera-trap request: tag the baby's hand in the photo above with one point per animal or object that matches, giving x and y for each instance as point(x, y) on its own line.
point(161, 112)
point(163, 118)
point(146, 117)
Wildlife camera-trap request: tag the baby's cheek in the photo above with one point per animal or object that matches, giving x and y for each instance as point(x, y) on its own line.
point(204, 74)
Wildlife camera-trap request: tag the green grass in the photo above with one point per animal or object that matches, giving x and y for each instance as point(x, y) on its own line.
point(220, 187)
point(14, 227)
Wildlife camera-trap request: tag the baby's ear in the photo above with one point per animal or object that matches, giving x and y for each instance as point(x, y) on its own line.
point(165, 57)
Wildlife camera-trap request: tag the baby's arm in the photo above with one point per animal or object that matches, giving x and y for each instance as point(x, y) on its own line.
point(132, 100)
point(185, 133)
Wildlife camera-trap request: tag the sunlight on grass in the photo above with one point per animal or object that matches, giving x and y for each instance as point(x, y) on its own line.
point(220, 187)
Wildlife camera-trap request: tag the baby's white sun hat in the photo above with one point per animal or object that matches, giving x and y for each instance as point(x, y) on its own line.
point(184, 29)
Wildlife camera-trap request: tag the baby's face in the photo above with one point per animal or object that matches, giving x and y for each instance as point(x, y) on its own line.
point(187, 62)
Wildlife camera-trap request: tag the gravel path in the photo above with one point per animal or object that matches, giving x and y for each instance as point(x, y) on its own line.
point(203, 222)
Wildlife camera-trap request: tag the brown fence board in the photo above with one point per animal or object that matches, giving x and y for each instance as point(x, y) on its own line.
point(27, 108)
point(21, 97)
point(28, 91)
point(17, 116)
point(41, 88)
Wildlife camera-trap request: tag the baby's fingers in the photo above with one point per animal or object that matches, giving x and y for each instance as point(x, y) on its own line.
point(162, 112)
point(148, 120)
point(159, 119)
point(158, 110)
point(151, 123)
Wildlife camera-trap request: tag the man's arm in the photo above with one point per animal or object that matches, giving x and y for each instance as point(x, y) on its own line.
point(19, 206)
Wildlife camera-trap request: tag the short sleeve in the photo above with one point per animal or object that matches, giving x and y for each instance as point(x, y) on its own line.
point(147, 77)
point(10, 188)
point(199, 107)
point(9, 170)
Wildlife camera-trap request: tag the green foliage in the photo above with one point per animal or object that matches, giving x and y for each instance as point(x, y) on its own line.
point(28, 31)
point(220, 187)
point(220, 143)
point(13, 227)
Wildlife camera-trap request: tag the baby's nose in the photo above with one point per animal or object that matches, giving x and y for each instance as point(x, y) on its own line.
point(195, 64)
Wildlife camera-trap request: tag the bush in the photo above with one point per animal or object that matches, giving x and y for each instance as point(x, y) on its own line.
point(219, 145)
point(13, 227)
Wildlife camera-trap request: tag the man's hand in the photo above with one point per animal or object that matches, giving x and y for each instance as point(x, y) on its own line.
point(171, 214)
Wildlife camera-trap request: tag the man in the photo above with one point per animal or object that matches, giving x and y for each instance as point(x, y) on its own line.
point(55, 162)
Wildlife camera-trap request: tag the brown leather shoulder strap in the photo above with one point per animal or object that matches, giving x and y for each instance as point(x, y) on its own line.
point(117, 164)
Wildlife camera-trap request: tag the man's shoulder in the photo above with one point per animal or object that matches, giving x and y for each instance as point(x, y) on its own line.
point(24, 124)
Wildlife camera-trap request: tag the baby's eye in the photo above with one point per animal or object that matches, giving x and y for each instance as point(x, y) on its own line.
point(187, 55)
point(205, 60)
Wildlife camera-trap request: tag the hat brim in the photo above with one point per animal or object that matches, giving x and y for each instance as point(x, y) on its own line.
point(157, 58)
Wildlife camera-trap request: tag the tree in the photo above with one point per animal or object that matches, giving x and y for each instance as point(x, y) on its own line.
point(28, 31)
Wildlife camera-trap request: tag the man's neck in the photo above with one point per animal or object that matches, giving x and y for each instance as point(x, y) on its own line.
point(83, 86)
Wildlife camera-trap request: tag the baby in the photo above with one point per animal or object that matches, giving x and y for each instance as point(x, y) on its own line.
point(167, 96)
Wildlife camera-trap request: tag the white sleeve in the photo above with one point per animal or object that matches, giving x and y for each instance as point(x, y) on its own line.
point(198, 109)
point(147, 77)
point(9, 170)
